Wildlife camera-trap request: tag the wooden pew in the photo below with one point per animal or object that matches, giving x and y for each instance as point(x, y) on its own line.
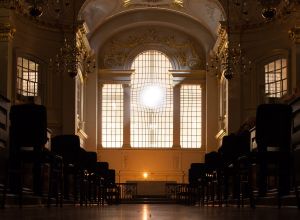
point(295, 146)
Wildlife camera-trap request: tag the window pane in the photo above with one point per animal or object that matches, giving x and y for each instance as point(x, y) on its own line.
point(190, 119)
point(152, 101)
point(112, 116)
point(27, 77)
point(271, 67)
point(276, 78)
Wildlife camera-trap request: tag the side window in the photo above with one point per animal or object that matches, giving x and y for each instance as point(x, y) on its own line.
point(276, 83)
point(28, 79)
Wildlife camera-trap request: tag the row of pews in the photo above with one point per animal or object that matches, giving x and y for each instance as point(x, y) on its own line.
point(257, 166)
point(58, 172)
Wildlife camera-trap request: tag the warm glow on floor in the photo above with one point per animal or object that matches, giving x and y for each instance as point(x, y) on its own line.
point(146, 212)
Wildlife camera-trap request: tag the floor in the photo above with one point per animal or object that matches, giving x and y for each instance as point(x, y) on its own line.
point(148, 212)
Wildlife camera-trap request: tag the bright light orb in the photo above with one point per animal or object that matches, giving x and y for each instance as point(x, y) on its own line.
point(145, 175)
point(152, 96)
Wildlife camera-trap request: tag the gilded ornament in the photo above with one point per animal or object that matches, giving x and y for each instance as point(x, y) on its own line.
point(184, 52)
point(6, 32)
point(153, 3)
point(294, 34)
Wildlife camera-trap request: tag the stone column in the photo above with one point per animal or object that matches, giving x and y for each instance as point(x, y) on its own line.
point(176, 116)
point(99, 138)
point(91, 113)
point(6, 59)
point(234, 104)
point(126, 115)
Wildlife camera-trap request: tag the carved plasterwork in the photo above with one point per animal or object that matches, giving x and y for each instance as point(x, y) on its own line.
point(222, 39)
point(181, 49)
point(295, 34)
point(86, 55)
point(153, 3)
point(6, 32)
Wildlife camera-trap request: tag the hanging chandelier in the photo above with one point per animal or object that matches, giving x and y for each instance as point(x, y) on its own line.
point(229, 59)
point(67, 59)
point(73, 55)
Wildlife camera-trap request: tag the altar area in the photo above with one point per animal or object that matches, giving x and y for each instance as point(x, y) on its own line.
point(151, 188)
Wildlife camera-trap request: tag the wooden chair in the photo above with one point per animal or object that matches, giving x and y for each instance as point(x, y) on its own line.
point(197, 183)
point(28, 136)
point(273, 138)
point(68, 147)
point(212, 177)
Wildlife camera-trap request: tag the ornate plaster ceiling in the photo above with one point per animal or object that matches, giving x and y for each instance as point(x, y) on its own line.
point(195, 17)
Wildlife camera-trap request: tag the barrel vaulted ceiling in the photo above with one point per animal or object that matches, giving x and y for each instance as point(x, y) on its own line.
point(197, 18)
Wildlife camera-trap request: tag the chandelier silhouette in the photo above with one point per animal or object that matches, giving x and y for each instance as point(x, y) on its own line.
point(72, 55)
point(228, 60)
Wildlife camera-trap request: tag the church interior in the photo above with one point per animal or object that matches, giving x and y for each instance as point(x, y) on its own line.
point(140, 109)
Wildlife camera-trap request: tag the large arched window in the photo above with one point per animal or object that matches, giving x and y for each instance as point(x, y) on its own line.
point(145, 107)
point(151, 101)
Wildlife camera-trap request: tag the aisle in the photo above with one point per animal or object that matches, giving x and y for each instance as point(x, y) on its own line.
point(148, 212)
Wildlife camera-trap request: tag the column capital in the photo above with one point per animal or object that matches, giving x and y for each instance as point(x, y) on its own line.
point(6, 32)
point(294, 34)
point(126, 146)
point(176, 146)
point(126, 85)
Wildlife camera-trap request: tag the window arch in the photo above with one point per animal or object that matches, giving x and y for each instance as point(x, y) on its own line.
point(151, 101)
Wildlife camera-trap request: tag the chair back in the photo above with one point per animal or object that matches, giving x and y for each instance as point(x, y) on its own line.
point(67, 146)
point(273, 126)
point(91, 161)
point(212, 160)
point(196, 173)
point(243, 143)
point(228, 151)
point(28, 126)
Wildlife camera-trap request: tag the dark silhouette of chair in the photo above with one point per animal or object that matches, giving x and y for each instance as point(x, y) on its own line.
point(108, 190)
point(68, 146)
point(242, 167)
point(91, 184)
point(196, 183)
point(112, 190)
point(273, 137)
point(295, 104)
point(101, 175)
point(228, 155)
point(28, 136)
point(213, 177)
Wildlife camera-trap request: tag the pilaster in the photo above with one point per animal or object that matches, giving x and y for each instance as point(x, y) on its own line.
point(176, 116)
point(6, 59)
point(126, 115)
